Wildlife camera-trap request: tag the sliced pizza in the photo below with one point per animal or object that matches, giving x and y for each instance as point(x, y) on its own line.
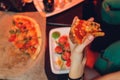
point(80, 28)
point(25, 35)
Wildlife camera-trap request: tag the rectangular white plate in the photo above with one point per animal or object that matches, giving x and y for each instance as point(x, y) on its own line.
point(53, 55)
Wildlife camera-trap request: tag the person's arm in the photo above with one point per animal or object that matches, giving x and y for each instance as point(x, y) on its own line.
point(111, 76)
point(78, 58)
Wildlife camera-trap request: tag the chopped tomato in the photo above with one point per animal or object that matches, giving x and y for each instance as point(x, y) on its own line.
point(66, 55)
point(68, 63)
point(33, 49)
point(19, 44)
point(12, 37)
point(63, 39)
point(23, 28)
point(67, 47)
point(58, 49)
point(33, 42)
point(27, 45)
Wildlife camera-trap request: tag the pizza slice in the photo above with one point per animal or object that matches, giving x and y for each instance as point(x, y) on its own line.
point(25, 35)
point(80, 28)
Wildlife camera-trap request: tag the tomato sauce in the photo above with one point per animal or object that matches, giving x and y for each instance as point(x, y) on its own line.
point(78, 31)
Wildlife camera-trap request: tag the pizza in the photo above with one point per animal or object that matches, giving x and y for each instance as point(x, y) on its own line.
point(80, 28)
point(24, 34)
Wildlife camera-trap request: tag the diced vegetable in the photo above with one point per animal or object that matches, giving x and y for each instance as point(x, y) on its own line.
point(58, 49)
point(66, 56)
point(63, 39)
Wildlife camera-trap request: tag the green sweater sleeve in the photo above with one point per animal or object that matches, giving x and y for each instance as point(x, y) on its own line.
point(111, 3)
point(111, 16)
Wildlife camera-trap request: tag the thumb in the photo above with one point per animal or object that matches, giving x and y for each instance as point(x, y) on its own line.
point(91, 19)
point(87, 40)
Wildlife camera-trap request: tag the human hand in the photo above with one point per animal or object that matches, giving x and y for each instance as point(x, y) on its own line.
point(78, 57)
point(78, 49)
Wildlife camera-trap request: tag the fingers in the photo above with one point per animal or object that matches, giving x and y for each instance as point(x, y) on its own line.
point(87, 40)
point(91, 19)
point(84, 60)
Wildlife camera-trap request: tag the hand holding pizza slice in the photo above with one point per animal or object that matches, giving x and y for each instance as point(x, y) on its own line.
point(80, 28)
point(82, 33)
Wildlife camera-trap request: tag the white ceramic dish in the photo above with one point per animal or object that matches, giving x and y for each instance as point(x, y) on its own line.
point(39, 6)
point(53, 55)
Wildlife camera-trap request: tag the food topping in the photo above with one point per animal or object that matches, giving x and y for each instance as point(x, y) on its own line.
point(62, 49)
point(23, 35)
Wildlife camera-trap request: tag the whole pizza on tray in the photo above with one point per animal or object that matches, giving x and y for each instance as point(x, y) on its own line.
point(20, 43)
